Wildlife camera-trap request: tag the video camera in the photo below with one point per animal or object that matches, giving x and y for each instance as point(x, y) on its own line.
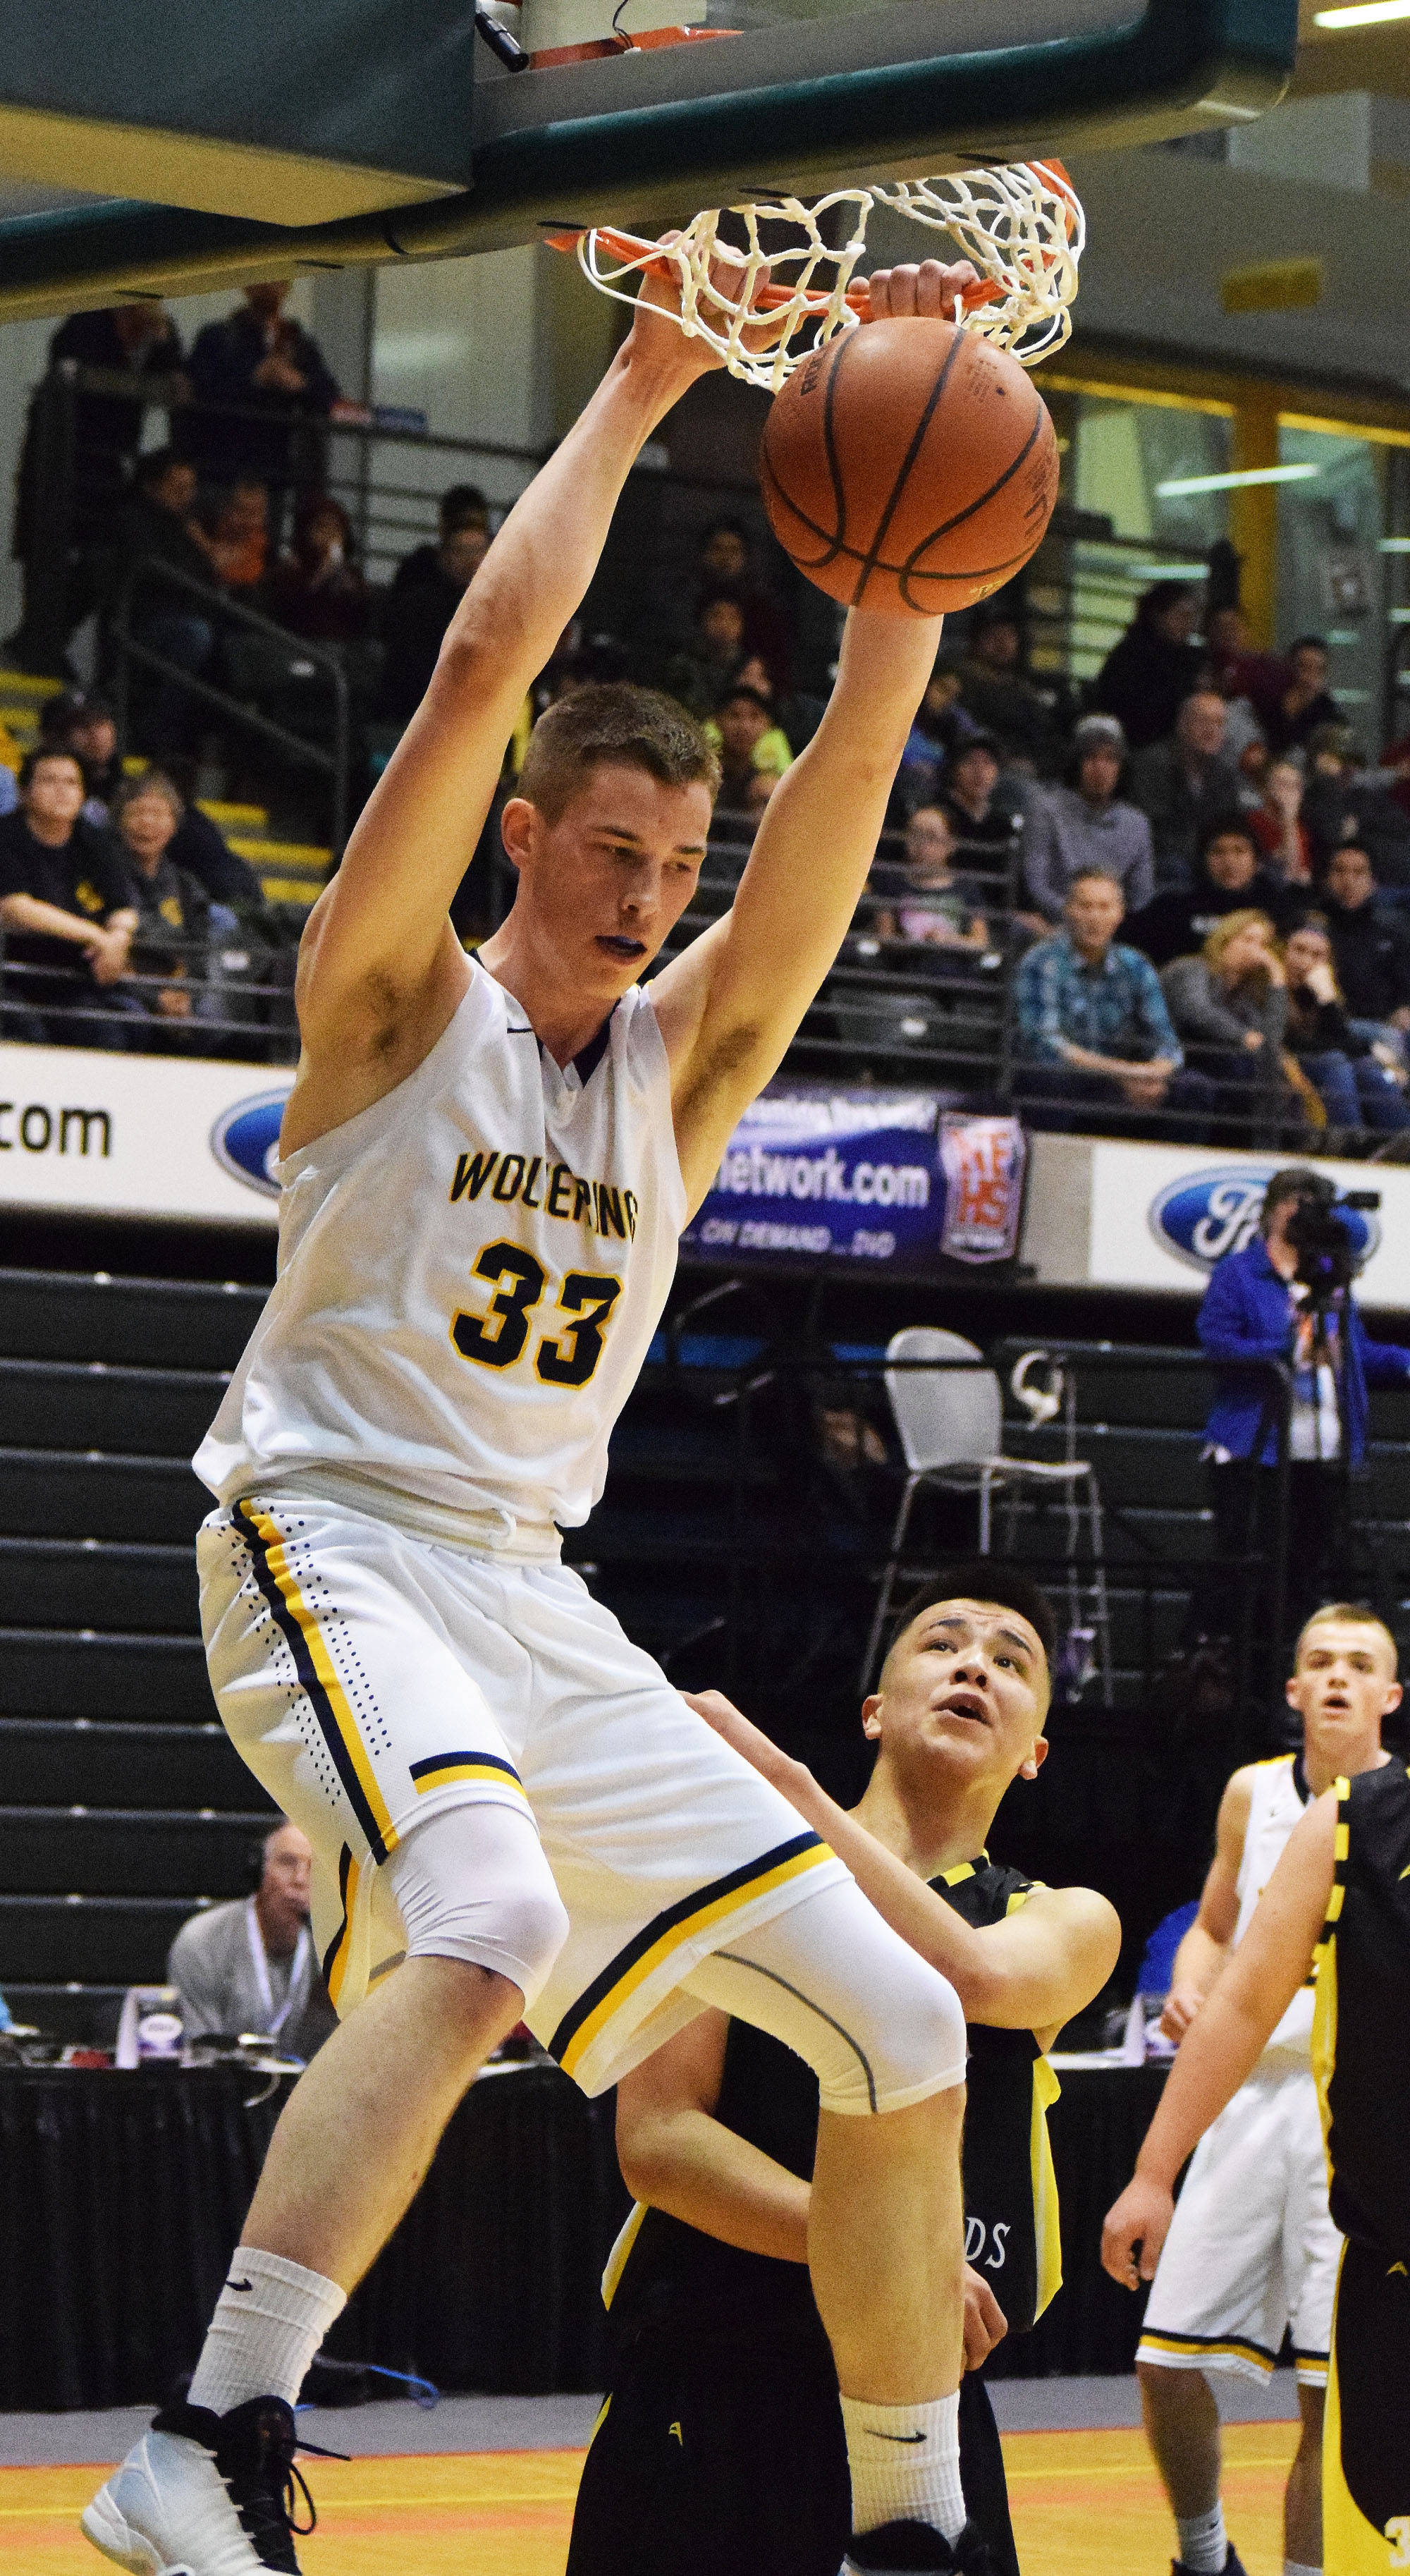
point(1328, 1257)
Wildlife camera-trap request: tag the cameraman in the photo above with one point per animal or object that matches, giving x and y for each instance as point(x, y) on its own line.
point(1257, 1307)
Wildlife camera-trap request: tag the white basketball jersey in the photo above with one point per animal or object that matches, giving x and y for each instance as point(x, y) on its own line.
point(470, 1274)
point(1278, 1802)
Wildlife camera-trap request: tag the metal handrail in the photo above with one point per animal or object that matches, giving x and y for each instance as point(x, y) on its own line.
point(223, 609)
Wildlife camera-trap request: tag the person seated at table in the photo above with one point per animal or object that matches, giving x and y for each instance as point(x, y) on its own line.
point(1229, 1007)
point(1353, 1076)
point(250, 1965)
point(722, 2446)
point(1093, 1030)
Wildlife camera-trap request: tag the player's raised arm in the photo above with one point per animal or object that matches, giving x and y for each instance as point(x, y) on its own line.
point(1203, 1951)
point(379, 936)
point(731, 1005)
point(1225, 2042)
point(1031, 1972)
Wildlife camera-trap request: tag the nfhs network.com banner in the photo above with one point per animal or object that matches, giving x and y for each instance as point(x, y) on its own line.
point(878, 1176)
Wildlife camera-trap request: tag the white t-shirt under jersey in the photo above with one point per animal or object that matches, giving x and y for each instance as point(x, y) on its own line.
point(470, 1274)
point(1278, 1801)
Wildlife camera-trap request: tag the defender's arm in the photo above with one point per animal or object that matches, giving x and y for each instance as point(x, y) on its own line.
point(1220, 2051)
point(1205, 1946)
point(1031, 1972)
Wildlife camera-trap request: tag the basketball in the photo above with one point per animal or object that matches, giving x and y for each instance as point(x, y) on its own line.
point(909, 468)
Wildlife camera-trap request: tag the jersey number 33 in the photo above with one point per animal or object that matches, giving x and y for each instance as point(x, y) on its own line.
point(498, 1337)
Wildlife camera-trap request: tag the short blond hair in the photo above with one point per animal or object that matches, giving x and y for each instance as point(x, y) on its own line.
point(1349, 1614)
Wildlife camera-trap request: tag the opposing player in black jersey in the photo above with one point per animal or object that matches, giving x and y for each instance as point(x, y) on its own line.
point(1337, 1903)
point(722, 2441)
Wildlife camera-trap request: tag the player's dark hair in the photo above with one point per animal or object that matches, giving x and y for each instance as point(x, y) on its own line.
point(982, 1578)
point(616, 721)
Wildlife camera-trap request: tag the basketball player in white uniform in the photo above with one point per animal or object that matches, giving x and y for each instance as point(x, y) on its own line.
point(486, 1166)
point(1252, 2250)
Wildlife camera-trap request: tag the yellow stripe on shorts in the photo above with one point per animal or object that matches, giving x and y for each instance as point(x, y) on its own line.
point(318, 1675)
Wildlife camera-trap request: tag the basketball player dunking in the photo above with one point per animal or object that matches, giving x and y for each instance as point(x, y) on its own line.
point(486, 1167)
point(1336, 1910)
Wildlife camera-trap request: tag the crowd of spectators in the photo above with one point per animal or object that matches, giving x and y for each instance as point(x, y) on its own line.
point(1189, 876)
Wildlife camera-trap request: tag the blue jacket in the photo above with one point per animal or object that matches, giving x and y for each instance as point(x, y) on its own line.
point(1246, 1316)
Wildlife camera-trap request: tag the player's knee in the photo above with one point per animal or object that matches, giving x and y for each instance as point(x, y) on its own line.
point(473, 1884)
point(921, 2047)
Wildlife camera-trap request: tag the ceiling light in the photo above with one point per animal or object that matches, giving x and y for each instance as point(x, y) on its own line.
point(1239, 482)
point(1366, 13)
point(1395, 546)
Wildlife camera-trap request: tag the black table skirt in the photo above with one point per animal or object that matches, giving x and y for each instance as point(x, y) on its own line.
point(121, 2198)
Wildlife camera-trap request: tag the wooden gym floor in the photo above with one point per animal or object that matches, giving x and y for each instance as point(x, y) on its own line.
point(1082, 2502)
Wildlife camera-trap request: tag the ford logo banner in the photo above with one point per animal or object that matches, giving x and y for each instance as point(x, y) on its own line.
point(1208, 1214)
point(245, 1140)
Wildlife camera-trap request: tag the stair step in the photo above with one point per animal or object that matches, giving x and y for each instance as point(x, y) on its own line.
point(123, 1851)
point(240, 818)
point(51, 1493)
point(92, 1404)
point(100, 1673)
point(95, 1939)
point(123, 1763)
point(29, 684)
point(131, 1322)
point(66, 1583)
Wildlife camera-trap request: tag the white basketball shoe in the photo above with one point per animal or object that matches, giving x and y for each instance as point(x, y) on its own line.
point(205, 2495)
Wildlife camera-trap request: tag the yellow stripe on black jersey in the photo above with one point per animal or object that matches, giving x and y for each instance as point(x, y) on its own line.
point(1360, 2055)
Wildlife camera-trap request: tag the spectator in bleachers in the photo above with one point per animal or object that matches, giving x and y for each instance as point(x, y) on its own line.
point(171, 942)
point(250, 1965)
point(127, 340)
point(1252, 1310)
point(1347, 802)
point(1283, 839)
point(1181, 783)
point(317, 589)
point(1305, 701)
point(1229, 1007)
point(257, 360)
point(923, 901)
point(726, 562)
point(709, 663)
point(747, 739)
point(995, 693)
point(1227, 879)
point(1147, 677)
point(1087, 824)
point(426, 591)
point(1093, 1029)
point(1370, 946)
point(984, 822)
point(1352, 1071)
point(941, 728)
point(239, 537)
point(160, 525)
point(1239, 669)
point(83, 723)
point(66, 906)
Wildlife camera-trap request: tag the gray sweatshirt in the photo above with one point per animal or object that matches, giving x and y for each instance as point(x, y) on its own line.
point(1206, 1013)
point(1063, 834)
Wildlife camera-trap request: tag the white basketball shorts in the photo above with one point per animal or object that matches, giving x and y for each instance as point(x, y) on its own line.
point(370, 1676)
point(1252, 2250)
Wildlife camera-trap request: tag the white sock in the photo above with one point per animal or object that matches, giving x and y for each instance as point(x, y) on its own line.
point(1204, 2543)
point(1295, 2567)
point(905, 2464)
point(269, 2321)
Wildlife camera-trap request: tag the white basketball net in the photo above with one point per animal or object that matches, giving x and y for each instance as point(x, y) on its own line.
point(765, 308)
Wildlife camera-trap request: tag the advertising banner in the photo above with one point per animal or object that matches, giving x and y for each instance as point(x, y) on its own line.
point(130, 1135)
point(887, 1177)
point(1162, 1215)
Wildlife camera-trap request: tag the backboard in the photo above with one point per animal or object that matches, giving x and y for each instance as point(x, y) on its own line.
point(437, 146)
